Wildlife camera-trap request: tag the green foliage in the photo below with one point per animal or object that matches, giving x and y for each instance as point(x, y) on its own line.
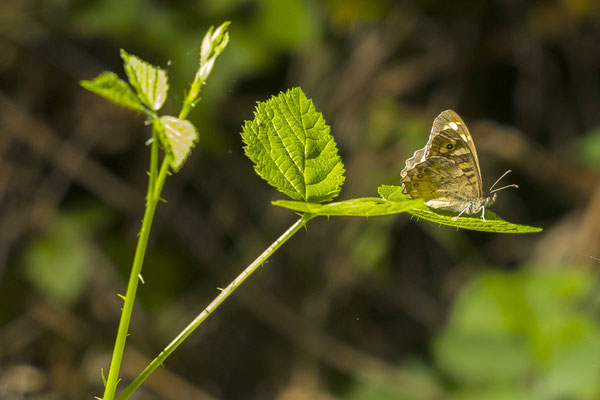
point(150, 82)
point(529, 334)
point(526, 332)
point(114, 89)
point(57, 263)
point(292, 149)
point(588, 148)
point(492, 222)
point(361, 207)
point(213, 44)
point(177, 136)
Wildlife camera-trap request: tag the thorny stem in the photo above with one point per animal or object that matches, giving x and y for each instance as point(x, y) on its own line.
point(214, 305)
point(152, 200)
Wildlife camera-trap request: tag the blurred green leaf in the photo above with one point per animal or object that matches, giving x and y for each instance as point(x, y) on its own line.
point(285, 24)
point(524, 331)
point(475, 359)
point(58, 262)
point(500, 392)
point(588, 148)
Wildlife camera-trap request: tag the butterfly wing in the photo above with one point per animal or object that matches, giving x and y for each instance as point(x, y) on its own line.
point(440, 182)
point(451, 139)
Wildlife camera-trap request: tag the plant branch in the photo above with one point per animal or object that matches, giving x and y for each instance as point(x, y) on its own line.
point(152, 199)
point(214, 305)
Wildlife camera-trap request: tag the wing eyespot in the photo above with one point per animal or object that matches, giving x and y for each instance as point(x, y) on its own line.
point(449, 146)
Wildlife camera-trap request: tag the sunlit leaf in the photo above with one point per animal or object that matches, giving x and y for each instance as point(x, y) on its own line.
point(150, 82)
point(492, 222)
point(361, 207)
point(292, 149)
point(177, 137)
point(112, 88)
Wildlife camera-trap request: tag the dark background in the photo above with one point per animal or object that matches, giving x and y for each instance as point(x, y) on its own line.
point(350, 308)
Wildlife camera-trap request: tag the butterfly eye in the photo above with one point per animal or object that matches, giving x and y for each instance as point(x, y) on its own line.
point(449, 146)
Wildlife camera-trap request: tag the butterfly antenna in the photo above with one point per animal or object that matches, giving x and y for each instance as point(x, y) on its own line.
point(504, 187)
point(498, 180)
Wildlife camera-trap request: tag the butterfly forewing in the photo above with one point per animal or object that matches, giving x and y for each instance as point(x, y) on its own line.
point(451, 138)
point(445, 173)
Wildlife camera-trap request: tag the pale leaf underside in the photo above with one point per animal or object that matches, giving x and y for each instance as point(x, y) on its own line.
point(178, 137)
point(150, 82)
point(361, 207)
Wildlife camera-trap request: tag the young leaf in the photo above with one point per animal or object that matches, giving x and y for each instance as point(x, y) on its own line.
point(177, 137)
point(361, 207)
point(213, 44)
point(492, 222)
point(112, 88)
point(292, 149)
point(150, 83)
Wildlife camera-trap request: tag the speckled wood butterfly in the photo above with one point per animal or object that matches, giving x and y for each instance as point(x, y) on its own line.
point(445, 173)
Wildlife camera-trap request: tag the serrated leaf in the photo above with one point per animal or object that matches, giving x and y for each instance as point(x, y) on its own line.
point(292, 148)
point(492, 222)
point(150, 82)
point(177, 137)
point(114, 89)
point(361, 207)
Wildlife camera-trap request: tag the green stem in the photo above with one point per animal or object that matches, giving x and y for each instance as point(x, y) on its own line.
point(136, 269)
point(153, 163)
point(190, 101)
point(213, 305)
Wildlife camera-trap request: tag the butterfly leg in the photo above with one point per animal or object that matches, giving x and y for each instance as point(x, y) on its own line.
point(483, 213)
point(460, 213)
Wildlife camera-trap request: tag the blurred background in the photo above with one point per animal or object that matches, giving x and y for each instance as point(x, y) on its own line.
point(380, 308)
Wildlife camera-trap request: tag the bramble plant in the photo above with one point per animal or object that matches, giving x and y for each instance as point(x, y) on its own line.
point(291, 148)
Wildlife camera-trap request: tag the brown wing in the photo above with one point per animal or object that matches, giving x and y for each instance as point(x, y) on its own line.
point(451, 139)
point(440, 182)
point(417, 158)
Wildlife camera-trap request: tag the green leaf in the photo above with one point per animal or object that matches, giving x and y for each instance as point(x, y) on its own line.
point(112, 88)
point(361, 207)
point(177, 138)
point(292, 148)
point(492, 222)
point(213, 44)
point(150, 82)
point(57, 262)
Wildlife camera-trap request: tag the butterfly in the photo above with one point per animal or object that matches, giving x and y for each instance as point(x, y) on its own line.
point(445, 173)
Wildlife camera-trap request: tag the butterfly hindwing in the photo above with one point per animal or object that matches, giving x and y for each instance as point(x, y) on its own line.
point(440, 182)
